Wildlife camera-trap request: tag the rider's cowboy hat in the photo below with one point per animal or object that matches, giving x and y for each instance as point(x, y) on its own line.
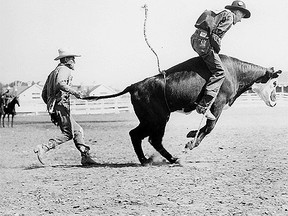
point(239, 5)
point(64, 53)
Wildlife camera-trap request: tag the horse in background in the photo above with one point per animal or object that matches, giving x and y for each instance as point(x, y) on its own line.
point(8, 110)
point(1, 108)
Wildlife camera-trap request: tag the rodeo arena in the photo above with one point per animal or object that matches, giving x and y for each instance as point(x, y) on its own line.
point(206, 136)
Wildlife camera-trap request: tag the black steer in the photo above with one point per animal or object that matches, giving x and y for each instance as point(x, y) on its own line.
point(156, 97)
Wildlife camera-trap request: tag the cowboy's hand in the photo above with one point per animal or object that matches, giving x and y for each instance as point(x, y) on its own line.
point(79, 95)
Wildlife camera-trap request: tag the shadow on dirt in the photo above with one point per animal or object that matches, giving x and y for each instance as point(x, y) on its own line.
point(109, 165)
point(100, 165)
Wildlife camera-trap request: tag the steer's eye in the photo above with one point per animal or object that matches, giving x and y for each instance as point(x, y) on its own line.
point(274, 84)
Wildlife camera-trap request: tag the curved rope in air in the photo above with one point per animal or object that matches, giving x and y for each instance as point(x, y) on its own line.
point(158, 62)
point(146, 40)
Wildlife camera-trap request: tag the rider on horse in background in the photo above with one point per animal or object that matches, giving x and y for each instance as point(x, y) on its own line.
point(5, 98)
point(206, 41)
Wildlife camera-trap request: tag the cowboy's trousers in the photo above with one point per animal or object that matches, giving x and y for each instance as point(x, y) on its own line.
point(70, 130)
point(211, 58)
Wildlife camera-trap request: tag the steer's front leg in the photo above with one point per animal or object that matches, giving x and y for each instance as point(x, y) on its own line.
point(196, 141)
point(216, 109)
point(203, 132)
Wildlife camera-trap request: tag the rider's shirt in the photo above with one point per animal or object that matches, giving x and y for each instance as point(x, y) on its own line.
point(57, 88)
point(224, 20)
point(203, 40)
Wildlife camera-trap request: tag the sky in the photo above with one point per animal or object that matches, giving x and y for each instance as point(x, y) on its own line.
point(108, 34)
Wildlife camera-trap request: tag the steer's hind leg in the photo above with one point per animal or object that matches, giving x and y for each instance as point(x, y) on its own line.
point(156, 141)
point(137, 135)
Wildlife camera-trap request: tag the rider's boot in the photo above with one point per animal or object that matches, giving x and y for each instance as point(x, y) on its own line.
point(41, 149)
point(86, 159)
point(203, 107)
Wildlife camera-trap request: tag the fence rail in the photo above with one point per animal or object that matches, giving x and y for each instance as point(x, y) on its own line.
point(124, 105)
point(101, 106)
point(255, 97)
point(252, 99)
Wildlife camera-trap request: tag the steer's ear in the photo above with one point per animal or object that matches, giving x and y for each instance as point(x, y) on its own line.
point(276, 74)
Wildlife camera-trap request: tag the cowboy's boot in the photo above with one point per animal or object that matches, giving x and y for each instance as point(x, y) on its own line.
point(41, 149)
point(86, 159)
point(203, 105)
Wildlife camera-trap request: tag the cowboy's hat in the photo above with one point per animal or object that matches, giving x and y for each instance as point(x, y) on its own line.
point(239, 5)
point(64, 53)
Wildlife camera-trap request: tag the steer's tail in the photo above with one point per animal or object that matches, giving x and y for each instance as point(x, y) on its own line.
point(126, 90)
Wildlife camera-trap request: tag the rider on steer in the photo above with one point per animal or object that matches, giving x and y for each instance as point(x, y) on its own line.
point(206, 41)
point(56, 94)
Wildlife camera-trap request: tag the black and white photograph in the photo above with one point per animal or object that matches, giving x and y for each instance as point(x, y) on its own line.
point(143, 108)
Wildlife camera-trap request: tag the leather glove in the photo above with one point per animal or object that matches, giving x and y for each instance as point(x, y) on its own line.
point(78, 95)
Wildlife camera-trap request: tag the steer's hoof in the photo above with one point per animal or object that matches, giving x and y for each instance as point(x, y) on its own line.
point(174, 160)
point(190, 145)
point(147, 162)
point(191, 134)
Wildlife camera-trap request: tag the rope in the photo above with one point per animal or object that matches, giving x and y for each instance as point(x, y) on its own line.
point(158, 62)
point(198, 130)
point(146, 40)
point(199, 127)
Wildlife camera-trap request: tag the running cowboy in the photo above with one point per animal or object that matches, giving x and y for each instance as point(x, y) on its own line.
point(56, 94)
point(206, 41)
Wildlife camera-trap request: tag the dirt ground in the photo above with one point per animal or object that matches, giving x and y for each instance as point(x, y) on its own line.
point(241, 168)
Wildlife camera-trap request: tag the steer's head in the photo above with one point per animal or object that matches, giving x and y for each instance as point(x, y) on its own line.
point(265, 87)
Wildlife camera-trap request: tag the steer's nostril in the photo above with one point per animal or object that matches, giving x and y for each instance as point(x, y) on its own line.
point(273, 96)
